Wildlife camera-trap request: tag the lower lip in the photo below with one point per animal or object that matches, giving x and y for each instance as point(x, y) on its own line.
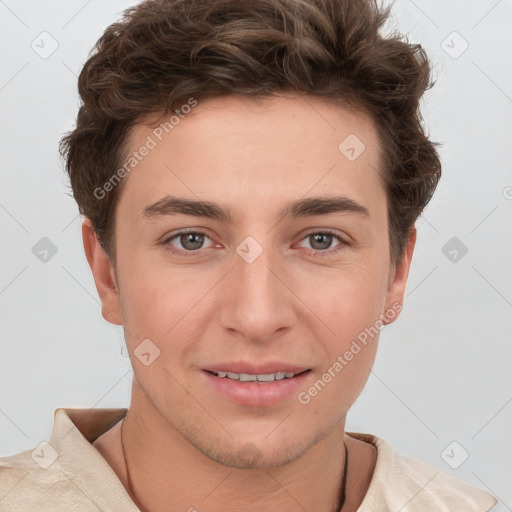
point(256, 394)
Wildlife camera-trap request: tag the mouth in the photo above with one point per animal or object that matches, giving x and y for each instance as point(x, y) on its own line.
point(256, 386)
point(259, 377)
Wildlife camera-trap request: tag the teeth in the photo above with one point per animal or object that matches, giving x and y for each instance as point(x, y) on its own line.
point(247, 378)
point(266, 377)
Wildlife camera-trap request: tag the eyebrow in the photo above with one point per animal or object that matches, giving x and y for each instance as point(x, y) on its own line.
point(171, 205)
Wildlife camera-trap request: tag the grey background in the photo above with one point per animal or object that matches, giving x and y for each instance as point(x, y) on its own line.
point(442, 373)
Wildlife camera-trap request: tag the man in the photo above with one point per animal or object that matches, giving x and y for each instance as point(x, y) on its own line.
point(250, 174)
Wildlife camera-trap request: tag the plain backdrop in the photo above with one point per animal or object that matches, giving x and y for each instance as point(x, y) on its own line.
point(441, 387)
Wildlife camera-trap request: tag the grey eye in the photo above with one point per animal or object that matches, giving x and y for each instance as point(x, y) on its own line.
point(320, 241)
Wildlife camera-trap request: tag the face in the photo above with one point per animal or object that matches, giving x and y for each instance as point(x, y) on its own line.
point(284, 272)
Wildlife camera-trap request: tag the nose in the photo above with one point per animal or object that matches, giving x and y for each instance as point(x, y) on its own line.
point(257, 303)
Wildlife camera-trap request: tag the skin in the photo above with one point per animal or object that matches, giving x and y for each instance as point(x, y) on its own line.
point(288, 305)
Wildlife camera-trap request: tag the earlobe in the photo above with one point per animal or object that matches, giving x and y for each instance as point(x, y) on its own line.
point(103, 273)
point(396, 289)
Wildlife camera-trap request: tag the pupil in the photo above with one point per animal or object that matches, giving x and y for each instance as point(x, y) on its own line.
point(327, 239)
point(192, 241)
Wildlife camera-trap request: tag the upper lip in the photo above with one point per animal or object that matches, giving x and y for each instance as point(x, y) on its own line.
point(256, 369)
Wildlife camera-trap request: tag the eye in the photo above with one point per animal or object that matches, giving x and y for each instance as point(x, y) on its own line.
point(187, 242)
point(321, 241)
point(190, 243)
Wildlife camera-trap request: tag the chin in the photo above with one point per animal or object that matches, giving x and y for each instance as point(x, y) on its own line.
point(253, 456)
point(250, 452)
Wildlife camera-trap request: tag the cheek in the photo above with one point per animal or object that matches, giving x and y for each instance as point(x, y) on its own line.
point(160, 302)
point(352, 300)
point(351, 307)
point(352, 314)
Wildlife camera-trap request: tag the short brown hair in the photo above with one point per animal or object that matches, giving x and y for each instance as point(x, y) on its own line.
point(163, 52)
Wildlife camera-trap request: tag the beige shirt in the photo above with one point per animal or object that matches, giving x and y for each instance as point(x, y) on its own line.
point(69, 474)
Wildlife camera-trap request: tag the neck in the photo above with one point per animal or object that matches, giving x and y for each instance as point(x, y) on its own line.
point(163, 468)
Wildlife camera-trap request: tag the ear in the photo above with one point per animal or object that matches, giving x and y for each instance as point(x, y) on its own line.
point(103, 273)
point(396, 289)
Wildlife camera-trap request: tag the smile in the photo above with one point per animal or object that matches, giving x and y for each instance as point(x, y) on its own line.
point(265, 377)
point(256, 389)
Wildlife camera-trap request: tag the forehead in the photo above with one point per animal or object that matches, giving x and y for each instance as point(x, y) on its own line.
point(251, 152)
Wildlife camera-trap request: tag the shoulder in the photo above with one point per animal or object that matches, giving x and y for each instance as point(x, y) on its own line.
point(400, 482)
point(68, 472)
point(29, 484)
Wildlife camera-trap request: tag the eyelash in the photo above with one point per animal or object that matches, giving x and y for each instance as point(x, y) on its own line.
point(315, 253)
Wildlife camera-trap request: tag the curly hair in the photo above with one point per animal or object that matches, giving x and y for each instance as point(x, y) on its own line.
point(163, 52)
